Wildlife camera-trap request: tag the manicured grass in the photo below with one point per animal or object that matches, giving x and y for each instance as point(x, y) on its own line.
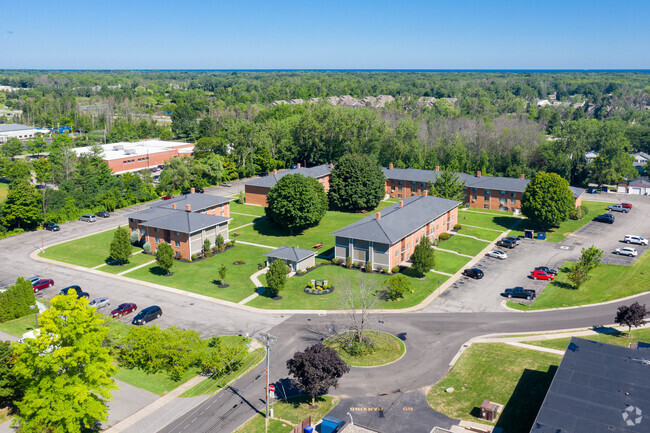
point(387, 349)
point(463, 245)
point(266, 232)
point(89, 251)
point(18, 327)
point(490, 211)
point(449, 262)
point(617, 338)
point(606, 283)
point(294, 410)
point(567, 227)
point(212, 385)
point(240, 220)
point(4, 190)
point(512, 376)
point(488, 235)
point(158, 383)
point(246, 209)
point(294, 298)
point(202, 276)
point(134, 260)
point(496, 221)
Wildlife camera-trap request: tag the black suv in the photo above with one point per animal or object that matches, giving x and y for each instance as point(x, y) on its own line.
point(605, 218)
point(147, 315)
point(51, 227)
point(546, 269)
point(507, 243)
point(77, 289)
point(475, 273)
point(520, 292)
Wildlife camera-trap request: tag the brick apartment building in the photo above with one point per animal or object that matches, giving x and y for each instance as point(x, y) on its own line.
point(184, 222)
point(139, 155)
point(389, 237)
point(257, 189)
point(482, 192)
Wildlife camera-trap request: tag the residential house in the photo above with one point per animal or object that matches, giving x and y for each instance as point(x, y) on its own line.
point(298, 259)
point(639, 186)
point(590, 156)
point(257, 189)
point(389, 237)
point(598, 387)
point(184, 222)
point(640, 159)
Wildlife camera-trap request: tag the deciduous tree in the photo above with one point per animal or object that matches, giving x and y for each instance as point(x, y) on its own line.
point(120, 249)
point(357, 182)
point(547, 200)
point(165, 257)
point(276, 277)
point(423, 258)
point(296, 202)
point(22, 208)
point(448, 185)
point(631, 316)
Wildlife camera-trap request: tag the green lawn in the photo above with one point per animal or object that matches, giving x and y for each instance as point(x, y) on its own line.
point(294, 298)
point(240, 220)
point(617, 338)
point(496, 221)
point(515, 377)
point(449, 262)
point(606, 283)
point(463, 245)
point(387, 349)
point(567, 227)
point(294, 410)
point(135, 260)
point(89, 251)
point(265, 232)
point(4, 189)
point(488, 235)
point(246, 209)
point(158, 383)
point(18, 327)
point(201, 276)
point(490, 211)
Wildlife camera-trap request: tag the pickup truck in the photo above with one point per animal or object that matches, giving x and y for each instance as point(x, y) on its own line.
point(520, 292)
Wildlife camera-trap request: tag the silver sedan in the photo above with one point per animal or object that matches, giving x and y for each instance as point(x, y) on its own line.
point(100, 302)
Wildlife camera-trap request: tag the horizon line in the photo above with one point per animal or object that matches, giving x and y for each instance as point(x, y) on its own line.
point(331, 69)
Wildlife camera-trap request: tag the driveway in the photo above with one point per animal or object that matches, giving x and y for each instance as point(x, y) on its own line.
point(485, 294)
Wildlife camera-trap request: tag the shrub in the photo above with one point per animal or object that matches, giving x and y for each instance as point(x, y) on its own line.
point(368, 267)
point(395, 269)
point(220, 243)
point(147, 248)
point(230, 244)
point(207, 251)
point(457, 226)
point(261, 265)
point(240, 262)
point(397, 286)
point(340, 261)
point(242, 198)
point(444, 236)
point(380, 269)
point(133, 237)
point(348, 262)
point(335, 261)
point(193, 257)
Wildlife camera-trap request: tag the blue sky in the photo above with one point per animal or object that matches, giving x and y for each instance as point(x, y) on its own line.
point(281, 34)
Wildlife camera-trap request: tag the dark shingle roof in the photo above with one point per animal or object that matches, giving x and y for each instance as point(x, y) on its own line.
point(639, 182)
point(592, 388)
point(151, 213)
point(197, 202)
point(271, 179)
point(397, 222)
point(291, 253)
point(186, 222)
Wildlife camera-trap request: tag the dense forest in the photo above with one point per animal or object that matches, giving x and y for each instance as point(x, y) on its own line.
point(245, 122)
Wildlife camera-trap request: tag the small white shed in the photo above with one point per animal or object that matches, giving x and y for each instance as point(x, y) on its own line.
point(296, 258)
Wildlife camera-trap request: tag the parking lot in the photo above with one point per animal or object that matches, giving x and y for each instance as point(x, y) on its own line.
point(485, 294)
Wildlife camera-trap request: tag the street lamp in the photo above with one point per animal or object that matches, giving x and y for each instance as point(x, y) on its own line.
point(35, 308)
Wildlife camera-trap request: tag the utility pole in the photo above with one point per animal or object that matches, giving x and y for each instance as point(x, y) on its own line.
point(267, 339)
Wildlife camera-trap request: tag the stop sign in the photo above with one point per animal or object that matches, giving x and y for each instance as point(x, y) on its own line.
point(272, 388)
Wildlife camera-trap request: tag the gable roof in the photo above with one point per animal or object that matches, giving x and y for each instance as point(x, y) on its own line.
point(291, 253)
point(196, 201)
point(396, 222)
point(186, 222)
point(592, 388)
point(639, 182)
point(642, 155)
point(271, 179)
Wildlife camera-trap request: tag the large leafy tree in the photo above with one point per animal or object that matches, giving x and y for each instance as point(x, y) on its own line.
point(13, 147)
point(65, 371)
point(184, 121)
point(316, 370)
point(296, 202)
point(165, 257)
point(423, 259)
point(448, 185)
point(120, 249)
point(22, 208)
point(9, 388)
point(276, 277)
point(357, 183)
point(547, 200)
point(631, 315)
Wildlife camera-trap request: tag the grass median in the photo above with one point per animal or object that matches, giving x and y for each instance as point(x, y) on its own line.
point(463, 245)
point(615, 337)
point(495, 221)
point(287, 414)
point(386, 349)
point(485, 234)
point(449, 263)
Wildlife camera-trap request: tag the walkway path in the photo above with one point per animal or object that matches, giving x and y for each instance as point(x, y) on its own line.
point(246, 214)
point(257, 245)
point(483, 228)
point(106, 264)
point(258, 284)
point(473, 237)
point(451, 251)
point(538, 348)
point(240, 227)
point(137, 267)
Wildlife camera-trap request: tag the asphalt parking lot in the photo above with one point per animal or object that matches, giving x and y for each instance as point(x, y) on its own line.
point(484, 295)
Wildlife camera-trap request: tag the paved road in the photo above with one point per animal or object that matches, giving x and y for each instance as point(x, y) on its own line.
point(431, 338)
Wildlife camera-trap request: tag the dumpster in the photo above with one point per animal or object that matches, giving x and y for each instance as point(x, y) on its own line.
point(541, 236)
point(528, 234)
point(308, 429)
point(330, 424)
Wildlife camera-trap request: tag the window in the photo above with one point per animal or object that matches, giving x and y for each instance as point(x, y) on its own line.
point(486, 206)
point(474, 190)
point(399, 195)
point(474, 197)
point(396, 253)
point(502, 192)
point(392, 189)
point(487, 192)
point(222, 213)
point(512, 194)
point(130, 220)
point(399, 182)
point(503, 200)
point(422, 185)
point(176, 234)
point(408, 245)
point(177, 244)
point(399, 188)
point(486, 197)
point(157, 241)
point(155, 229)
point(414, 190)
point(513, 201)
point(414, 183)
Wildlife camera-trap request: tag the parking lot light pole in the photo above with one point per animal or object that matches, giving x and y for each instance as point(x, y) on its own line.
point(267, 340)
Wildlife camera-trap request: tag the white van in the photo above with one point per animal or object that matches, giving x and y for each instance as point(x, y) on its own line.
point(88, 218)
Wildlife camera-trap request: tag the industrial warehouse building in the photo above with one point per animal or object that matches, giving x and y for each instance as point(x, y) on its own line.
point(21, 132)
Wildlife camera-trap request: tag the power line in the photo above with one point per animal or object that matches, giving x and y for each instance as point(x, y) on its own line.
point(268, 340)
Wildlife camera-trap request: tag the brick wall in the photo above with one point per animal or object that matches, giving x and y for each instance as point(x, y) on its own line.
point(477, 198)
point(404, 188)
point(134, 162)
point(256, 194)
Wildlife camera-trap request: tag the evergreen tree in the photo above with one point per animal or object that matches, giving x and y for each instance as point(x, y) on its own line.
point(165, 257)
point(423, 259)
point(448, 185)
point(276, 278)
point(120, 249)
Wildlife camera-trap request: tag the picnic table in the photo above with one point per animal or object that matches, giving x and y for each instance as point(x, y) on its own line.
point(318, 245)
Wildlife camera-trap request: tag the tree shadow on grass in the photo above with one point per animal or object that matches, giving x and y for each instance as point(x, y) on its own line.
point(267, 227)
point(410, 272)
point(519, 413)
point(564, 285)
point(158, 271)
point(607, 330)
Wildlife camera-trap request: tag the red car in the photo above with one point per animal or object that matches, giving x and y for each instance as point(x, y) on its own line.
point(167, 197)
point(42, 284)
point(123, 309)
point(541, 275)
point(626, 205)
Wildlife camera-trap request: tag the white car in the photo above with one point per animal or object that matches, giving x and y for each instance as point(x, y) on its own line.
point(100, 302)
point(618, 208)
point(627, 251)
point(497, 254)
point(630, 239)
point(33, 279)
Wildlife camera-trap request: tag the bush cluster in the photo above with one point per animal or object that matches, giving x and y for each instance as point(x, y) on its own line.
point(444, 236)
point(15, 302)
